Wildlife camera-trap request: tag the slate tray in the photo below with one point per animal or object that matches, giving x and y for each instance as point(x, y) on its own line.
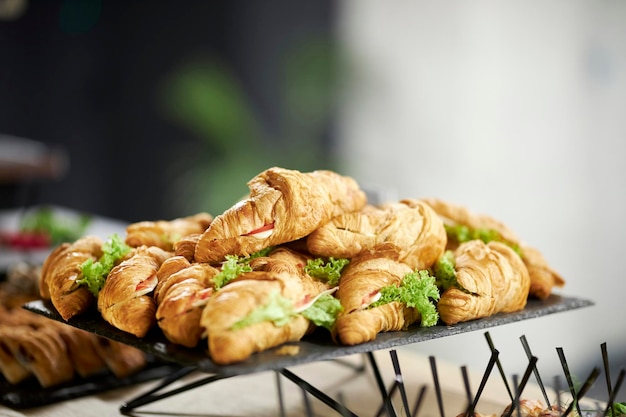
point(317, 346)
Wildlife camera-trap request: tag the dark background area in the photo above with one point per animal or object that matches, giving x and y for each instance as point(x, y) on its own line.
point(85, 76)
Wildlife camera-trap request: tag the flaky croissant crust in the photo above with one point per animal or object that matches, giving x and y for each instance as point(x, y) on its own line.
point(60, 271)
point(290, 203)
point(492, 279)
point(412, 226)
point(543, 277)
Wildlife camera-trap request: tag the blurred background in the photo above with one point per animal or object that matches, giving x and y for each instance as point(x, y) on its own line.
point(514, 109)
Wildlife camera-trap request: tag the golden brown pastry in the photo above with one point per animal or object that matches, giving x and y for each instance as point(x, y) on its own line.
point(126, 300)
point(180, 299)
point(165, 233)
point(543, 277)
point(360, 285)
point(60, 271)
point(42, 352)
point(80, 351)
point(186, 246)
point(283, 259)
point(283, 206)
point(121, 359)
point(235, 301)
point(13, 370)
point(412, 226)
point(490, 278)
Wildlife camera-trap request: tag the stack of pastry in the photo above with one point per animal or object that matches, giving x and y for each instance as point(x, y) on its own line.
point(221, 281)
point(52, 353)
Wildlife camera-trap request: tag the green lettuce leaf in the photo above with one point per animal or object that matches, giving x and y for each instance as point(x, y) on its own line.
point(417, 290)
point(461, 233)
point(278, 310)
point(94, 273)
point(235, 265)
point(324, 311)
point(444, 271)
point(328, 270)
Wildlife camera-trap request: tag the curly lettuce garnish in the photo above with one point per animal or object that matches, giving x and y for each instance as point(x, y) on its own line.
point(444, 271)
point(417, 290)
point(279, 310)
point(94, 273)
point(235, 265)
point(328, 270)
point(324, 311)
point(461, 233)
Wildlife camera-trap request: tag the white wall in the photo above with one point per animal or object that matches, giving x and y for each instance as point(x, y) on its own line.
point(515, 109)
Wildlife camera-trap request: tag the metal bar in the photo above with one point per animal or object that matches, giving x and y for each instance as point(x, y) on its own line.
point(317, 393)
point(529, 354)
point(381, 385)
point(149, 397)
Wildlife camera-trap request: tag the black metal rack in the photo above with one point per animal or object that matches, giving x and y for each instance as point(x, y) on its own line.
point(313, 348)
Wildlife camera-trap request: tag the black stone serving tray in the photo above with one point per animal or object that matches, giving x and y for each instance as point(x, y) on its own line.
point(317, 346)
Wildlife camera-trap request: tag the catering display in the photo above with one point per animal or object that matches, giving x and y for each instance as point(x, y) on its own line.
point(304, 268)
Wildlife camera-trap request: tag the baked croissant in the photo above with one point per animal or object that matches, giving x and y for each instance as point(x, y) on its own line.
point(13, 370)
point(165, 233)
point(41, 352)
point(125, 300)
point(186, 246)
point(490, 278)
point(60, 271)
point(543, 277)
point(360, 285)
point(241, 297)
point(121, 359)
point(283, 206)
point(412, 226)
point(181, 297)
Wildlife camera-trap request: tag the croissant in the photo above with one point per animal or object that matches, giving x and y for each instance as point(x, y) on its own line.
point(283, 259)
point(125, 300)
point(60, 271)
point(542, 276)
point(121, 359)
point(359, 286)
point(180, 300)
point(491, 278)
point(412, 226)
point(13, 370)
point(80, 350)
point(186, 246)
point(241, 297)
point(165, 233)
point(283, 206)
point(41, 352)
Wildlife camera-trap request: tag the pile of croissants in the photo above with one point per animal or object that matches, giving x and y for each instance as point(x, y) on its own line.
point(35, 348)
point(167, 280)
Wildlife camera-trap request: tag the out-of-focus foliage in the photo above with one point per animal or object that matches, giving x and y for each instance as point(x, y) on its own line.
point(205, 97)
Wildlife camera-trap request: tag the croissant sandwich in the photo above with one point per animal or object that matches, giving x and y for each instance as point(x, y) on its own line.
point(283, 206)
point(125, 300)
point(165, 233)
point(61, 273)
point(462, 224)
point(180, 295)
point(265, 308)
point(479, 280)
point(412, 226)
point(379, 293)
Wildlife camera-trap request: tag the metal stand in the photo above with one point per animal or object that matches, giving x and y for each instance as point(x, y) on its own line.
point(157, 393)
